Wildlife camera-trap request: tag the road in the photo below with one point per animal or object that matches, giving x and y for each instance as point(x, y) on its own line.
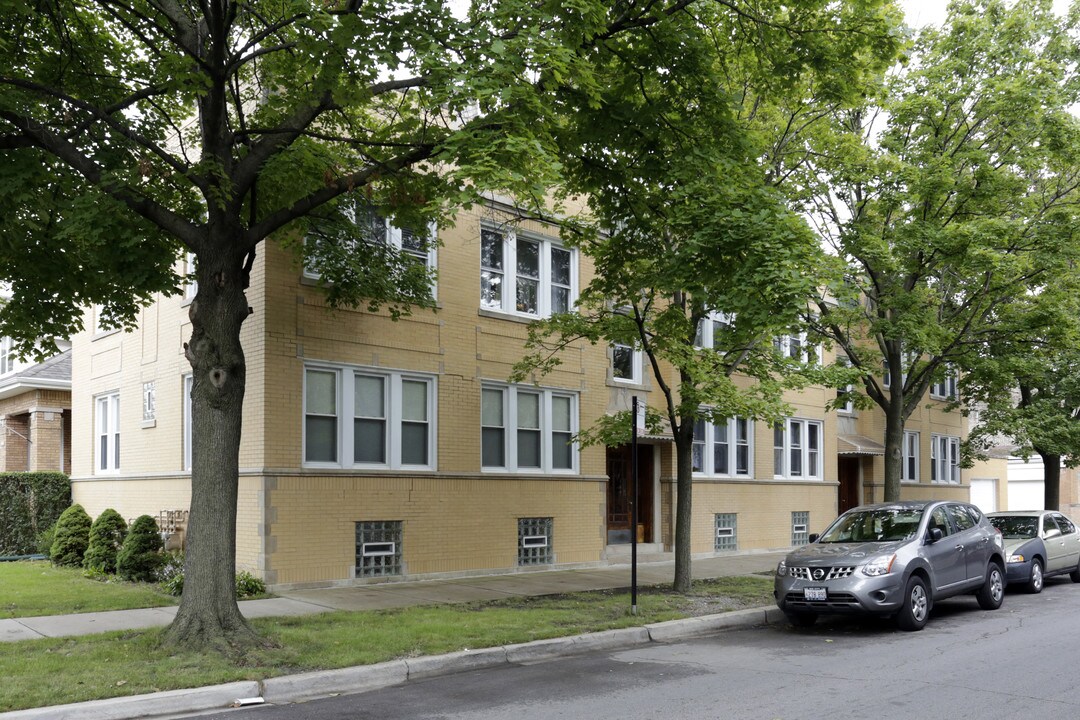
point(1016, 662)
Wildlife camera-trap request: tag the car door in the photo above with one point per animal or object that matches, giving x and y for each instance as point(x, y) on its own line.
point(1057, 554)
point(946, 556)
point(1070, 536)
point(973, 540)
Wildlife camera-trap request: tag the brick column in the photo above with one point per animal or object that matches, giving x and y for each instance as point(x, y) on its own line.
point(46, 434)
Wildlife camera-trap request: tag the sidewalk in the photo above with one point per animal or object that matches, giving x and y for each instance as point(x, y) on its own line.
point(309, 686)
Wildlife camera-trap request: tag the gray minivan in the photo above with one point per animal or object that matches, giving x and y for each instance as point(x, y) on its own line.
point(894, 559)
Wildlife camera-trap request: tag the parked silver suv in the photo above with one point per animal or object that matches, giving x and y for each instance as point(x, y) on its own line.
point(893, 559)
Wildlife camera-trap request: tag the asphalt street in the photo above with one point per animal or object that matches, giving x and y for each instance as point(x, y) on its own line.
point(1016, 662)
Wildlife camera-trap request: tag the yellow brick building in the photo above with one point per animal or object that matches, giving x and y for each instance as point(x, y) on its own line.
point(375, 449)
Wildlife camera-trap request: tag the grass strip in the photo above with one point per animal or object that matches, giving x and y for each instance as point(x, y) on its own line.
point(57, 671)
point(29, 589)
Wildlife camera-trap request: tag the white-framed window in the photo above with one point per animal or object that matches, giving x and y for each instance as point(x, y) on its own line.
point(98, 320)
point(797, 346)
point(186, 403)
point(844, 394)
point(107, 431)
point(7, 355)
point(149, 401)
point(528, 429)
point(625, 364)
point(945, 459)
point(797, 449)
point(191, 285)
point(909, 472)
point(710, 328)
point(887, 377)
point(524, 274)
point(392, 417)
point(723, 448)
point(945, 389)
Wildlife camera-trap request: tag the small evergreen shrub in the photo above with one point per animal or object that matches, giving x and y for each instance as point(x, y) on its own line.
point(72, 537)
point(106, 536)
point(140, 556)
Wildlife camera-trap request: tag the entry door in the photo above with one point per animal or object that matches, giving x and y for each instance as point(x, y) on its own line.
point(619, 465)
point(848, 471)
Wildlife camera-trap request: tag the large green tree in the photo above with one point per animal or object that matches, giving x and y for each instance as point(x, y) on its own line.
point(698, 262)
point(939, 198)
point(134, 130)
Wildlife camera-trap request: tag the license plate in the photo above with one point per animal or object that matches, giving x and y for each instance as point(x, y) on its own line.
point(815, 593)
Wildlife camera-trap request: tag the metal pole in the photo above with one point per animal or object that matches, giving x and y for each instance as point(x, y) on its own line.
point(633, 508)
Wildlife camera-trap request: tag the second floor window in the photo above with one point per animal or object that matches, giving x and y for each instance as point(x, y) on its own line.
point(710, 329)
point(625, 364)
point(107, 417)
point(945, 459)
point(723, 448)
point(797, 449)
point(946, 387)
point(525, 274)
point(910, 470)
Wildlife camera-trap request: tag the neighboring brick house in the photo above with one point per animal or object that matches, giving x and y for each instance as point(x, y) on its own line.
point(374, 449)
point(35, 411)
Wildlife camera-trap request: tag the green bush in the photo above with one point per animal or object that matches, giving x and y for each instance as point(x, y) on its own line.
point(45, 540)
point(171, 579)
point(72, 537)
point(30, 503)
point(106, 536)
point(140, 556)
point(247, 585)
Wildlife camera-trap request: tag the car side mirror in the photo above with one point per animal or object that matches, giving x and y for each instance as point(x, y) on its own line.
point(935, 534)
point(813, 537)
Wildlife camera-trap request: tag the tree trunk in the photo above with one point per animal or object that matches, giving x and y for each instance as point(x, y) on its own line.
point(208, 617)
point(1051, 479)
point(894, 448)
point(684, 486)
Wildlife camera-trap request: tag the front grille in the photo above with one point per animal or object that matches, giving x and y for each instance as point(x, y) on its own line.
point(834, 573)
point(836, 601)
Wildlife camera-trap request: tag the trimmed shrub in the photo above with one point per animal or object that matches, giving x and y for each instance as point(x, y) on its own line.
point(106, 536)
point(29, 504)
point(140, 556)
point(72, 537)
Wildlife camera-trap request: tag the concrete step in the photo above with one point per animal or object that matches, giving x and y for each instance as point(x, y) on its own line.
point(646, 553)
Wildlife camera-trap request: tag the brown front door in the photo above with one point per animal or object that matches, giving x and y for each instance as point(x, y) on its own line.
point(848, 471)
point(619, 465)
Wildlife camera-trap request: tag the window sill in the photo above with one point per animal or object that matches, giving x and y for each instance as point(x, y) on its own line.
point(148, 424)
point(104, 334)
point(505, 315)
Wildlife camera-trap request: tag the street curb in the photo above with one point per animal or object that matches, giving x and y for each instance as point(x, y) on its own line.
point(289, 689)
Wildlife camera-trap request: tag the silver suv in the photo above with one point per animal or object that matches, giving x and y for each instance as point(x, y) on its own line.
point(893, 559)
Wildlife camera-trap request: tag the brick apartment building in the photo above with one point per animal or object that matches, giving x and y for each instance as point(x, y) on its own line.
point(380, 449)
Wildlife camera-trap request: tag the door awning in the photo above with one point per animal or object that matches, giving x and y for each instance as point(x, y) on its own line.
point(858, 445)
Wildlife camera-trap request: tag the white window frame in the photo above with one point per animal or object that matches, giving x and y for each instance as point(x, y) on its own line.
point(945, 459)
point(107, 433)
point(149, 401)
point(191, 285)
point(7, 355)
point(345, 389)
point(510, 395)
point(635, 364)
point(706, 330)
point(811, 459)
point(806, 353)
point(506, 302)
point(946, 388)
point(186, 385)
point(910, 458)
point(709, 442)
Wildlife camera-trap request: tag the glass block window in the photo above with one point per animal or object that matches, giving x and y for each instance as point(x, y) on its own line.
point(727, 532)
point(534, 541)
point(378, 548)
point(800, 524)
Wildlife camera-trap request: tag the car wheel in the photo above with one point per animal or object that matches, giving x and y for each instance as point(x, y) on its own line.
point(1035, 582)
point(801, 620)
point(992, 592)
point(1075, 574)
point(916, 609)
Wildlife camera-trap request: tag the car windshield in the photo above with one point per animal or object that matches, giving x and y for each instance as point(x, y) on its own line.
point(881, 525)
point(1016, 527)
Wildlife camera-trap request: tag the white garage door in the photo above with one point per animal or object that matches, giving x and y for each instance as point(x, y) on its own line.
point(1026, 495)
point(984, 494)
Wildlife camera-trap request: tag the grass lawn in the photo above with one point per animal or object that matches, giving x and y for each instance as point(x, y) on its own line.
point(37, 588)
point(56, 671)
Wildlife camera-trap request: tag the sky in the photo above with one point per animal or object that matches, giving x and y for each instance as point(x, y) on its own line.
point(932, 12)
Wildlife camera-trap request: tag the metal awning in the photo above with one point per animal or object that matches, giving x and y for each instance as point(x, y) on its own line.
point(856, 445)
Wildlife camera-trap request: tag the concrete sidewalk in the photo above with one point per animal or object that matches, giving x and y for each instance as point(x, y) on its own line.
point(308, 686)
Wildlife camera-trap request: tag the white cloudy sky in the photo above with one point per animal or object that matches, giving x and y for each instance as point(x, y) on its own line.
point(927, 12)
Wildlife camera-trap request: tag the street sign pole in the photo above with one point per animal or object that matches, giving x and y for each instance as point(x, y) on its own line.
point(633, 507)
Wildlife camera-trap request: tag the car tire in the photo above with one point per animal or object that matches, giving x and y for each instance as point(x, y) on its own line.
point(801, 619)
point(916, 608)
point(1075, 574)
point(992, 592)
point(1035, 582)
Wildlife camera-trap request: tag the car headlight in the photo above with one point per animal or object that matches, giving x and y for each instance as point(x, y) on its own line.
point(781, 569)
point(879, 566)
point(1016, 558)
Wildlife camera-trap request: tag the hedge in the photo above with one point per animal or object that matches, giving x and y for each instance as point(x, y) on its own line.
point(30, 502)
